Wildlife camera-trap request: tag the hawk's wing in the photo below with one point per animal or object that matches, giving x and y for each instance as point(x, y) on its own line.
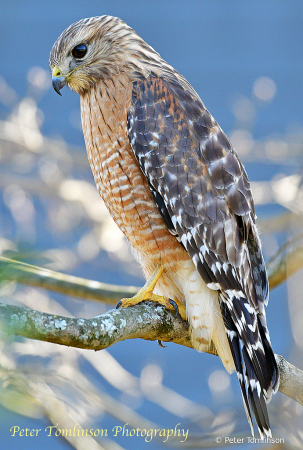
point(203, 194)
point(193, 170)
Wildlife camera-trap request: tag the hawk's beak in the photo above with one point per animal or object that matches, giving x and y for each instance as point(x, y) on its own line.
point(58, 80)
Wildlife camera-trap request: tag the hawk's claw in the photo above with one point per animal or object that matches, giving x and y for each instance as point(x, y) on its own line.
point(175, 306)
point(118, 304)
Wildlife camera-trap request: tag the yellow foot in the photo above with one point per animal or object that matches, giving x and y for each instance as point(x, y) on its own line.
point(146, 293)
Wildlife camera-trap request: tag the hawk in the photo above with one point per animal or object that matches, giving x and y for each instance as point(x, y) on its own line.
point(175, 186)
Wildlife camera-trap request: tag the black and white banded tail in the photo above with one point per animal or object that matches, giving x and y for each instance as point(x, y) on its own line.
point(253, 356)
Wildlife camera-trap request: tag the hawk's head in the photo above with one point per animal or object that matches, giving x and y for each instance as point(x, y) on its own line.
point(94, 49)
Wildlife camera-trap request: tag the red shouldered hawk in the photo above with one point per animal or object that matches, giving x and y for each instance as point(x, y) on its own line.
point(177, 189)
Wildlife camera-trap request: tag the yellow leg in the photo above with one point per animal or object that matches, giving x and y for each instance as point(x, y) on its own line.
point(146, 293)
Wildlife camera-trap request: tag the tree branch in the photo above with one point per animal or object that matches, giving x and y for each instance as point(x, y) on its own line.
point(291, 380)
point(287, 261)
point(146, 321)
point(65, 284)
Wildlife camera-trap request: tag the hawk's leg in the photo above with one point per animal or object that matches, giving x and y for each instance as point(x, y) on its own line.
point(146, 293)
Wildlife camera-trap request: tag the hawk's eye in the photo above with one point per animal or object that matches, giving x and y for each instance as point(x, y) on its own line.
point(79, 51)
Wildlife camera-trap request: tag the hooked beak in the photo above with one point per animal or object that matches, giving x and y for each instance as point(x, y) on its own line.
point(58, 80)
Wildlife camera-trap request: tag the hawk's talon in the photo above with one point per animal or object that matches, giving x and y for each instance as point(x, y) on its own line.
point(160, 344)
point(175, 306)
point(146, 292)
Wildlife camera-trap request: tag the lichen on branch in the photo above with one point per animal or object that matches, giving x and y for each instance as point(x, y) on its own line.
point(145, 320)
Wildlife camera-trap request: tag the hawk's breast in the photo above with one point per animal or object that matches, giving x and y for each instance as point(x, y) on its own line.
point(119, 178)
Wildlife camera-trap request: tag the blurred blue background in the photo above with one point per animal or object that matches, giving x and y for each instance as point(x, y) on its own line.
point(245, 61)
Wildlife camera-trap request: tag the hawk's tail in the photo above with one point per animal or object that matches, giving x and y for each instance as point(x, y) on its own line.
point(254, 359)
